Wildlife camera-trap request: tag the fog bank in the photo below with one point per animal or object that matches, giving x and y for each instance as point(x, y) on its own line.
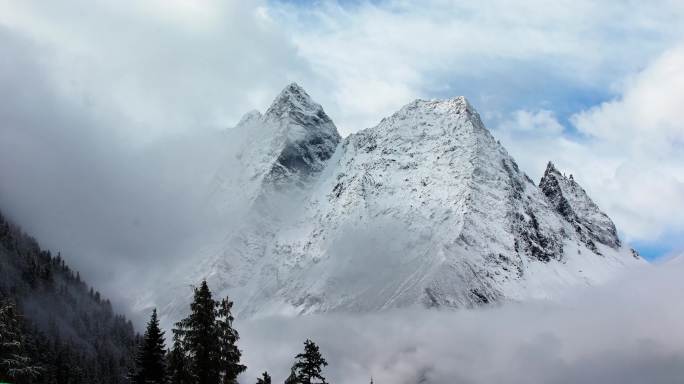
point(627, 332)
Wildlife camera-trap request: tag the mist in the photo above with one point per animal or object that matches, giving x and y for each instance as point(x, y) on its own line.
point(115, 208)
point(629, 331)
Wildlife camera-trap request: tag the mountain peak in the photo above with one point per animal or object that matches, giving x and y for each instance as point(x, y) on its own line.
point(550, 168)
point(572, 202)
point(428, 202)
point(294, 87)
point(293, 91)
point(304, 137)
point(456, 105)
point(293, 98)
point(433, 119)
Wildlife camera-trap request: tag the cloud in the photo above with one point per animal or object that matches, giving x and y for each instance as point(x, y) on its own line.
point(110, 124)
point(648, 114)
point(375, 56)
point(538, 123)
point(627, 152)
point(595, 336)
point(162, 67)
point(71, 178)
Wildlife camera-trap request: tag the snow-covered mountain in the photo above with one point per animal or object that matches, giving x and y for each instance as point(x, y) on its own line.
point(281, 150)
point(573, 203)
point(424, 209)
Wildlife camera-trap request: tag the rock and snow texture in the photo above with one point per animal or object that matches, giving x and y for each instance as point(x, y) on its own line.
point(283, 149)
point(573, 203)
point(309, 137)
point(424, 209)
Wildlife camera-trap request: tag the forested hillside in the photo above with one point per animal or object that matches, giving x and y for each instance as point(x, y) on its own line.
point(55, 327)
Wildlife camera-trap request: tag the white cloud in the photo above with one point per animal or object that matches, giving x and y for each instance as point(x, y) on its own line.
point(372, 58)
point(649, 113)
point(538, 123)
point(158, 67)
point(596, 336)
point(630, 151)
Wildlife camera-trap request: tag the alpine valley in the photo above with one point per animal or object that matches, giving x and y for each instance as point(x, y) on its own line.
point(425, 209)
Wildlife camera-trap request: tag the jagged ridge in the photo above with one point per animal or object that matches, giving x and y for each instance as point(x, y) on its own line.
point(571, 201)
point(310, 137)
point(425, 208)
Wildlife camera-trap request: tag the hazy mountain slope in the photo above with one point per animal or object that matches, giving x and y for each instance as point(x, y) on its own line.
point(271, 162)
point(426, 208)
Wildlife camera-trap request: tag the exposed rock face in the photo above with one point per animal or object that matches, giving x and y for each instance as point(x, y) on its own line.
point(281, 150)
point(308, 136)
point(572, 202)
point(426, 208)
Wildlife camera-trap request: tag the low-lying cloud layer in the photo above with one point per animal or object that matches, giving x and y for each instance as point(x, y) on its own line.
point(627, 332)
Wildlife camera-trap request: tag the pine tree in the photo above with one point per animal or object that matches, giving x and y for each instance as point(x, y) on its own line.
point(228, 337)
point(179, 372)
point(308, 365)
point(150, 362)
point(14, 362)
point(199, 338)
point(292, 379)
point(264, 379)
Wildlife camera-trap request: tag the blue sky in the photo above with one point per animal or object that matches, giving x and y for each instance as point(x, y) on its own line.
point(656, 250)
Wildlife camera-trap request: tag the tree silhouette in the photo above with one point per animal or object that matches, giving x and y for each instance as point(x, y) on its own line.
point(150, 362)
point(308, 365)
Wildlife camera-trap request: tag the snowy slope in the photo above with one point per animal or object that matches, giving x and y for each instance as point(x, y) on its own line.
point(265, 179)
point(424, 209)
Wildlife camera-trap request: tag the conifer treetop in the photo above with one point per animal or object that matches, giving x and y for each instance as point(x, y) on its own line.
point(309, 365)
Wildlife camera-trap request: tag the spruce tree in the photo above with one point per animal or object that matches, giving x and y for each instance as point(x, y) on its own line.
point(14, 362)
point(308, 365)
point(264, 379)
point(179, 372)
point(150, 362)
point(199, 338)
point(228, 337)
point(205, 343)
point(292, 379)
